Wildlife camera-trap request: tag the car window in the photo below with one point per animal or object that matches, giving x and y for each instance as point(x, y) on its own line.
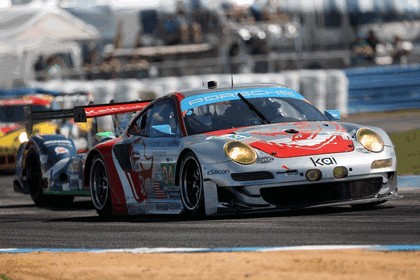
point(159, 121)
point(236, 113)
point(138, 127)
point(162, 121)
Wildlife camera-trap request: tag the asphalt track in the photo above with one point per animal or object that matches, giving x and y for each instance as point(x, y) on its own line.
point(397, 222)
point(23, 225)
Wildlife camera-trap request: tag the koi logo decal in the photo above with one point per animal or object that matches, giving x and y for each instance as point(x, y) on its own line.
point(324, 161)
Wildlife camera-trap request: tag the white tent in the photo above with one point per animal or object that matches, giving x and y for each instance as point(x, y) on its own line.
point(29, 32)
point(34, 24)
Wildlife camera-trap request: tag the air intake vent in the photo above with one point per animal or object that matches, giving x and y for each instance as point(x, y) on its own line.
point(252, 176)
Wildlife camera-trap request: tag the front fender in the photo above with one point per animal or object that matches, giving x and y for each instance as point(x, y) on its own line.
point(51, 149)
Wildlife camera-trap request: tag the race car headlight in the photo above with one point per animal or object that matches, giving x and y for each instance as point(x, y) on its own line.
point(23, 137)
point(370, 140)
point(240, 152)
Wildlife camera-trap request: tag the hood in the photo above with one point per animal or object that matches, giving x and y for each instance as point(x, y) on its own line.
point(283, 140)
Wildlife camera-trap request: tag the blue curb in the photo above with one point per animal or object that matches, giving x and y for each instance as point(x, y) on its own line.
point(388, 248)
point(412, 181)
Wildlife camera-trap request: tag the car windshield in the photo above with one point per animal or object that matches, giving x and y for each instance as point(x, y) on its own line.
point(15, 113)
point(237, 113)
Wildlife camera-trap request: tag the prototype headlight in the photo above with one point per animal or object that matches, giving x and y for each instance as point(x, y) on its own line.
point(23, 137)
point(240, 152)
point(370, 140)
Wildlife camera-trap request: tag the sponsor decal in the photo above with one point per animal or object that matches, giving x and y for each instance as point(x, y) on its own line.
point(57, 142)
point(174, 194)
point(168, 174)
point(214, 97)
point(264, 159)
point(167, 207)
point(159, 191)
point(324, 161)
point(163, 144)
point(218, 172)
point(229, 136)
point(61, 150)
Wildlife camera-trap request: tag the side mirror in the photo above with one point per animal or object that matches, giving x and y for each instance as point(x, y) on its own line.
point(333, 115)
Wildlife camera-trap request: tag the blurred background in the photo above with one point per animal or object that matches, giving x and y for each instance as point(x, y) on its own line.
point(358, 56)
point(123, 39)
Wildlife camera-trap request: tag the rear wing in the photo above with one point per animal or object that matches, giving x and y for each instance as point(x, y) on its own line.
point(82, 113)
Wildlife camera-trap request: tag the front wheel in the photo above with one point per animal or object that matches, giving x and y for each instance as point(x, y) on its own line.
point(36, 184)
point(99, 187)
point(191, 185)
point(34, 178)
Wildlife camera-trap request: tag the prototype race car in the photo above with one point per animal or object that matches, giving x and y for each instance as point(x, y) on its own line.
point(216, 150)
point(12, 120)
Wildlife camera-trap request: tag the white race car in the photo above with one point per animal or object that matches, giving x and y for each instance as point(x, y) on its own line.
point(241, 148)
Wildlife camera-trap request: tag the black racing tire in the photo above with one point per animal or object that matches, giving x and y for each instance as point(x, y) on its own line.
point(34, 178)
point(36, 184)
point(99, 187)
point(191, 185)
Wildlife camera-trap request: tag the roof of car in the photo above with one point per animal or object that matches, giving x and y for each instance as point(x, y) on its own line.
point(191, 92)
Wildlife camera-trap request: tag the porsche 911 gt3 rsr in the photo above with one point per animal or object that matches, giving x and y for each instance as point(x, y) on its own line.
point(214, 150)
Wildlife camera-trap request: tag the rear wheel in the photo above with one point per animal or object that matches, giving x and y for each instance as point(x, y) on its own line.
point(99, 187)
point(191, 185)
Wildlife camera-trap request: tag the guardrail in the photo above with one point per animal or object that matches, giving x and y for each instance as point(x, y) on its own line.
point(376, 89)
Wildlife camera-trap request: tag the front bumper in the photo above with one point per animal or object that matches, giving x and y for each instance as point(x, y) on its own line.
point(350, 191)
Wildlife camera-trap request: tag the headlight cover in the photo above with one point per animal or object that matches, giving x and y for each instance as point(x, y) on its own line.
point(370, 140)
point(240, 152)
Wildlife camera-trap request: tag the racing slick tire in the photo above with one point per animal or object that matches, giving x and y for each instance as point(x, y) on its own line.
point(99, 187)
point(191, 185)
point(36, 184)
point(34, 178)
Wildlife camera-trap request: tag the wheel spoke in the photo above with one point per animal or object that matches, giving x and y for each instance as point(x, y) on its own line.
point(190, 184)
point(99, 183)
